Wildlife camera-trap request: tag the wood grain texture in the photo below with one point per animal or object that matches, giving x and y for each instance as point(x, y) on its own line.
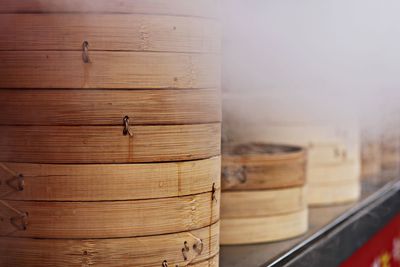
point(110, 219)
point(100, 182)
point(261, 203)
point(333, 193)
point(121, 32)
point(202, 8)
point(127, 70)
point(263, 229)
point(107, 144)
point(109, 107)
point(147, 251)
point(263, 170)
point(213, 262)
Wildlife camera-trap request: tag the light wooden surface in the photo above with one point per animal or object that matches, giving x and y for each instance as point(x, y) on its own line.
point(147, 251)
point(213, 262)
point(109, 107)
point(333, 193)
point(108, 219)
point(107, 144)
point(99, 182)
point(202, 8)
point(263, 171)
point(263, 229)
point(261, 203)
point(139, 70)
point(121, 32)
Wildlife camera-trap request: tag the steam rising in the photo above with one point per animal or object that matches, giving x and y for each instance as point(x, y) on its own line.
point(312, 60)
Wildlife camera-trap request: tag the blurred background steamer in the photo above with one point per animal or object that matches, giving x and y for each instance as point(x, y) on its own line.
point(333, 165)
point(263, 193)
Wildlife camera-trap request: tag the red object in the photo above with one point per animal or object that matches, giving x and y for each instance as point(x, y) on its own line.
point(383, 250)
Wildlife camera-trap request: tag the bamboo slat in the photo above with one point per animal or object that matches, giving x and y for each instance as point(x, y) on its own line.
point(249, 204)
point(117, 32)
point(146, 251)
point(202, 8)
point(257, 166)
point(108, 219)
point(108, 107)
point(127, 70)
point(213, 262)
point(100, 182)
point(333, 193)
point(107, 144)
point(263, 229)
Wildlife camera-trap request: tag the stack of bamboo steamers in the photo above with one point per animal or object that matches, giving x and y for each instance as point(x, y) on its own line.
point(263, 195)
point(110, 133)
point(333, 149)
point(333, 169)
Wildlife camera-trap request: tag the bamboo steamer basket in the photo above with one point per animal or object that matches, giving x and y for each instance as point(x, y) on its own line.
point(270, 167)
point(108, 144)
point(81, 50)
point(110, 133)
point(263, 196)
point(334, 183)
point(191, 8)
point(263, 229)
point(108, 107)
point(65, 69)
point(325, 143)
point(261, 203)
point(107, 182)
point(108, 218)
point(115, 32)
point(333, 155)
point(119, 252)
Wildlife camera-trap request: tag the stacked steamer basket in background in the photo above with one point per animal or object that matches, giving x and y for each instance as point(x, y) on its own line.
point(333, 161)
point(263, 196)
point(390, 144)
point(109, 133)
point(371, 155)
